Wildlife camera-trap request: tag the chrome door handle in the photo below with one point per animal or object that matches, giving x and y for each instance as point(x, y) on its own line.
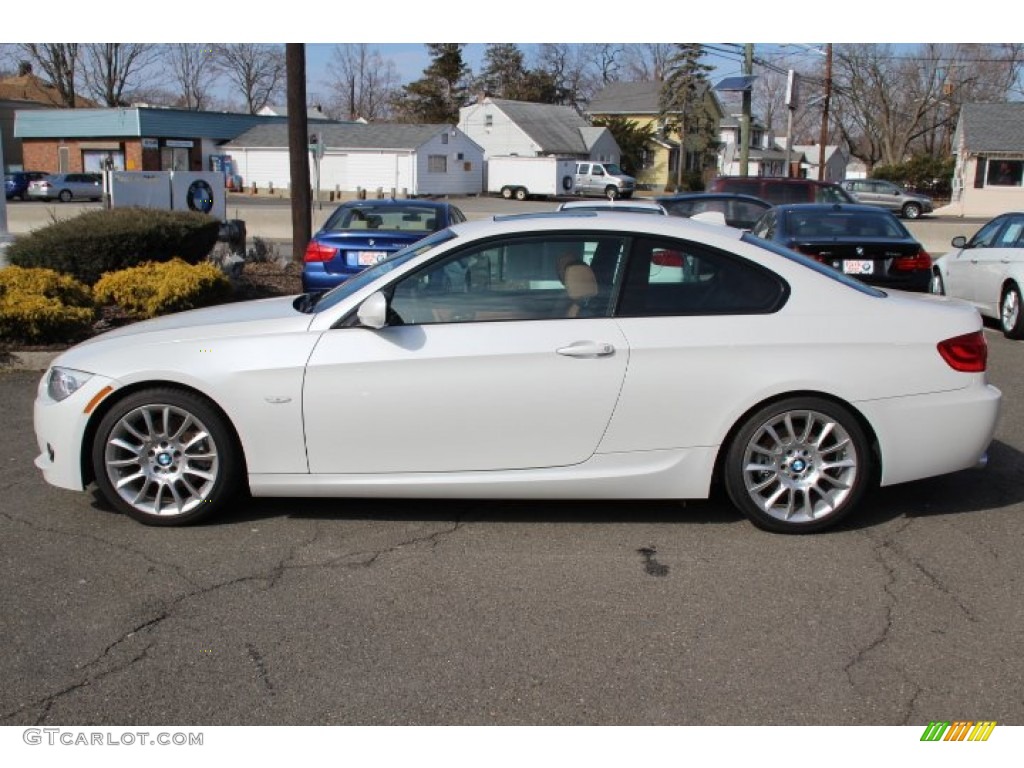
point(587, 349)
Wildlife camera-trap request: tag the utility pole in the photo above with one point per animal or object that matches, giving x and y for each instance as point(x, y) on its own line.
point(824, 112)
point(298, 149)
point(748, 69)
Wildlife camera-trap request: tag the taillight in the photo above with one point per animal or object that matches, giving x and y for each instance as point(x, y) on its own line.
point(920, 260)
point(317, 252)
point(967, 353)
point(667, 259)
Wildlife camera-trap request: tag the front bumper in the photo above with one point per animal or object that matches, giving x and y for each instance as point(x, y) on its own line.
point(60, 428)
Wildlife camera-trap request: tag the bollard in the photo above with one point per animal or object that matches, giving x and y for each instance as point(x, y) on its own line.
point(270, 188)
point(380, 193)
point(254, 190)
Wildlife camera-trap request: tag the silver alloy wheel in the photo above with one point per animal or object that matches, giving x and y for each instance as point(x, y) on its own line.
point(1010, 310)
point(161, 460)
point(935, 285)
point(800, 466)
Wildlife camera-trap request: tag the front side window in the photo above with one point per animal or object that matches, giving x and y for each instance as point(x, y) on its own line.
point(674, 277)
point(1010, 237)
point(985, 236)
point(535, 278)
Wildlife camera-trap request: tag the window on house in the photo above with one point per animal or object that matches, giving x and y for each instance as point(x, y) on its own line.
point(488, 121)
point(437, 164)
point(444, 138)
point(1005, 173)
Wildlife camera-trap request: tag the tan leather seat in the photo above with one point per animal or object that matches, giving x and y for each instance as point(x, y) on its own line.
point(580, 286)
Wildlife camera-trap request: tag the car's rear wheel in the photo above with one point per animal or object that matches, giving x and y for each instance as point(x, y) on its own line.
point(798, 466)
point(1010, 316)
point(65, 196)
point(936, 285)
point(911, 211)
point(165, 457)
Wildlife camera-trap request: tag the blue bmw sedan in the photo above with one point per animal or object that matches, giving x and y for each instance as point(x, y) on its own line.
point(362, 232)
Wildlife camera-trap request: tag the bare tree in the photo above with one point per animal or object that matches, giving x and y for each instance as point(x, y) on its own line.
point(578, 71)
point(363, 83)
point(647, 62)
point(192, 69)
point(109, 69)
point(59, 62)
point(255, 69)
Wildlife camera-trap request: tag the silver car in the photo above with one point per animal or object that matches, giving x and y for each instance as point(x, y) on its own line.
point(885, 194)
point(67, 187)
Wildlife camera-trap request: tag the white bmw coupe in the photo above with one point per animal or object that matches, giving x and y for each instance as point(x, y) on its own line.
point(545, 356)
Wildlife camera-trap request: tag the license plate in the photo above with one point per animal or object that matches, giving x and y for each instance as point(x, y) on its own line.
point(366, 258)
point(859, 267)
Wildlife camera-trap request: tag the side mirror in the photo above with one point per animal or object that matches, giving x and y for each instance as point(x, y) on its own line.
point(959, 242)
point(373, 312)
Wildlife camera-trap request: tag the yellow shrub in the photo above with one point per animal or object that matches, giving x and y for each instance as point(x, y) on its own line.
point(153, 288)
point(40, 306)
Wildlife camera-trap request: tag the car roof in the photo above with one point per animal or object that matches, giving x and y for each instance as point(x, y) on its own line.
point(832, 208)
point(711, 196)
point(589, 221)
point(612, 205)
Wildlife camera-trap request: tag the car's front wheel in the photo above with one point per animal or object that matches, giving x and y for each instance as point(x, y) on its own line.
point(165, 457)
point(611, 192)
point(65, 196)
point(911, 211)
point(798, 466)
point(1010, 316)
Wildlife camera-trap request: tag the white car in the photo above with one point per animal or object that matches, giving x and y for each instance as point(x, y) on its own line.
point(560, 365)
point(628, 206)
point(987, 271)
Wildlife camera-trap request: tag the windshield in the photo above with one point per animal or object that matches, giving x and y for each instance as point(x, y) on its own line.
point(810, 263)
point(614, 169)
point(381, 268)
point(385, 216)
point(845, 224)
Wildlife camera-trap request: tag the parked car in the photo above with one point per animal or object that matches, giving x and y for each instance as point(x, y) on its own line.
point(630, 206)
point(360, 233)
point(16, 183)
point(987, 271)
point(740, 211)
point(558, 367)
point(885, 194)
point(603, 180)
point(782, 191)
point(67, 187)
point(860, 240)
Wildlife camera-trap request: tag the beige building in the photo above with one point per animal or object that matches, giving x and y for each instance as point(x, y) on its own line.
point(989, 146)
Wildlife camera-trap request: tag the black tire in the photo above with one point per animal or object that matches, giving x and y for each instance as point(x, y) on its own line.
point(611, 192)
point(521, 194)
point(1011, 314)
point(912, 211)
point(936, 285)
point(65, 196)
point(169, 452)
point(794, 439)
point(506, 192)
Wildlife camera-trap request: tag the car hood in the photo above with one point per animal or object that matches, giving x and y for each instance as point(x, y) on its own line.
point(245, 318)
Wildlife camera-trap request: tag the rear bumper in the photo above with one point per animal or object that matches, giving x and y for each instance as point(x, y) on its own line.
point(927, 435)
point(316, 278)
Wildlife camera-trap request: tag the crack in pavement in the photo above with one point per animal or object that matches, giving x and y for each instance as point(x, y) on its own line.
point(261, 668)
point(270, 576)
point(99, 539)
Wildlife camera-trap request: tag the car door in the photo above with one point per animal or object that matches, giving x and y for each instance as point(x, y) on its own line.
point(582, 178)
point(962, 266)
point(499, 356)
point(994, 264)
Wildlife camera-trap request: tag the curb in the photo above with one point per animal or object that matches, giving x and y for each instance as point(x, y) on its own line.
point(26, 361)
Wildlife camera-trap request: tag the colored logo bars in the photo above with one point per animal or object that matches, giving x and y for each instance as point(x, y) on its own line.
point(959, 730)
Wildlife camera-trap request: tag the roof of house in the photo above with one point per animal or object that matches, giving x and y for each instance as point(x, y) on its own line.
point(813, 152)
point(556, 129)
point(641, 98)
point(32, 88)
point(134, 121)
point(314, 112)
point(991, 127)
point(405, 136)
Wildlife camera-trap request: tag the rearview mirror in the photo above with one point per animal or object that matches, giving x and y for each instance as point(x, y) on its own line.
point(373, 312)
point(959, 242)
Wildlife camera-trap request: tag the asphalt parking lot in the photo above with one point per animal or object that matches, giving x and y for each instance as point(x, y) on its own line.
point(478, 612)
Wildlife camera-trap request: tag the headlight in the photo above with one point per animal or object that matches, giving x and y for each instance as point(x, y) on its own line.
point(64, 382)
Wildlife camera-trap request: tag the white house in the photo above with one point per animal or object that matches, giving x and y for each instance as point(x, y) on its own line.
point(764, 157)
point(836, 161)
point(506, 127)
point(989, 146)
point(410, 159)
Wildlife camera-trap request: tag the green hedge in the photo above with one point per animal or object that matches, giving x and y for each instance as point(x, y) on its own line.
point(108, 240)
